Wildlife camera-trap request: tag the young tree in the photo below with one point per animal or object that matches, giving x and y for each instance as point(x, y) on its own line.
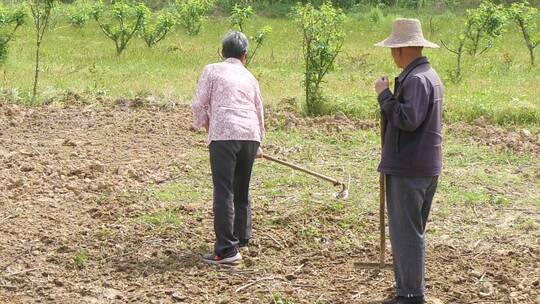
point(80, 12)
point(323, 36)
point(121, 21)
point(525, 16)
point(41, 13)
point(11, 18)
point(259, 40)
point(482, 26)
point(240, 16)
point(459, 51)
point(192, 13)
point(157, 27)
point(486, 24)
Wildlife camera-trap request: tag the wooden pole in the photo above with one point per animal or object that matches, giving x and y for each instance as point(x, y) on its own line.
point(382, 200)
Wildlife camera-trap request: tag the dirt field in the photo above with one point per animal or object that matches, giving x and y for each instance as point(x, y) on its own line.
point(75, 183)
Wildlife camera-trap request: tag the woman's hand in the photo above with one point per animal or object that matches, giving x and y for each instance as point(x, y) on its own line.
point(259, 153)
point(193, 128)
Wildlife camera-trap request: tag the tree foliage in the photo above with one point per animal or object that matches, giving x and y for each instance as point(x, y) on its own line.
point(157, 26)
point(259, 39)
point(192, 13)
point(11, 18)
point(323, 36)
point(80, 12)
point(482, 26)
point(485, 25)
point(526, 17)
point(121, 21)
point(240, 16)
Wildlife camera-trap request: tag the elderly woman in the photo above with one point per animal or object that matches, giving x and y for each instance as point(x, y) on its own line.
point(229, 106)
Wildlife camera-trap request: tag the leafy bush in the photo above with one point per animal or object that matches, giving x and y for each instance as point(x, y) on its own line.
point(157, 26)
point(192, 13)
point(525, 17)
point(11, 18)
point(323, 37)
point(121, 21)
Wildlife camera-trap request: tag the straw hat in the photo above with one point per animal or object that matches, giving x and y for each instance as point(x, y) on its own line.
point(406, 33)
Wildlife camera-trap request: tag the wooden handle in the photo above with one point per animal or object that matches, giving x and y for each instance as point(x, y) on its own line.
point(382, 201)
point(293, 166)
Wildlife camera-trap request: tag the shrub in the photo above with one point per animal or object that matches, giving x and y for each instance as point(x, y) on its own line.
point(323, 36)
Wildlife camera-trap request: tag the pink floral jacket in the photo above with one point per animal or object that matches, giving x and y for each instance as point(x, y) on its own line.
point(229, 101)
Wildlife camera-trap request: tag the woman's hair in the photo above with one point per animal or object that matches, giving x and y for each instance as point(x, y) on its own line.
point(235, 44)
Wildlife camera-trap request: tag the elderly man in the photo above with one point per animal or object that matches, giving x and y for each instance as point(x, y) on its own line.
point(411, 158)
point(229, 106)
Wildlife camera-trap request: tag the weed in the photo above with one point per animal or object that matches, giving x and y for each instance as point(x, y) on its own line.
point(80, 259)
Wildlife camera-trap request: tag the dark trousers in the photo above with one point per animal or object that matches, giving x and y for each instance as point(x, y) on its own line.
point(231, 162)
point(409, 203)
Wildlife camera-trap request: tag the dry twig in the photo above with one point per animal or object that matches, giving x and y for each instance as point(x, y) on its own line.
point(273, 239)
point(253, 283)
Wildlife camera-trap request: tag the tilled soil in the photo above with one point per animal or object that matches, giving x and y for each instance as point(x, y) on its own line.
point(75, 182)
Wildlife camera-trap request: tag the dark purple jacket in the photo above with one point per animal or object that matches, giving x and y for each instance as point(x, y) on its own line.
point(413, 137)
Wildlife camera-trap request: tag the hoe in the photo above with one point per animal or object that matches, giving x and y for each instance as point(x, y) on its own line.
point(343, 194)
point(382, 202)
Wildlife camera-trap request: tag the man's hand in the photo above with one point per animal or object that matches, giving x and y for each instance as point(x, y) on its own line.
point(382, 84)
point(259, 153)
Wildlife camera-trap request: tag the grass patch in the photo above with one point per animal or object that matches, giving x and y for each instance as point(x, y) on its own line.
point(178, 192)
point(80, 259)
point(162, 219)
point(279, 299)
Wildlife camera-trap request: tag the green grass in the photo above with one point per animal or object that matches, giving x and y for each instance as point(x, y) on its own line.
point(475, 178)
point(279, 299)
point(499, 86)
point(178, 192)
point(163, 218)
point(80, 259)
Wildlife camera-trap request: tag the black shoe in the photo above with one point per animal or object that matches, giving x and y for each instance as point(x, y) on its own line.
point(403, 300)
point(243, 243)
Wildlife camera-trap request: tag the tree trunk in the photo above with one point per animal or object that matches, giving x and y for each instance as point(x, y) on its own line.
point(307, 77)
point(458, 65)
point(36, 75)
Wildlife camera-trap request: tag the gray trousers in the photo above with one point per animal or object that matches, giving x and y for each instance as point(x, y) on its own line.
point(409, 202)
point(231, 162)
